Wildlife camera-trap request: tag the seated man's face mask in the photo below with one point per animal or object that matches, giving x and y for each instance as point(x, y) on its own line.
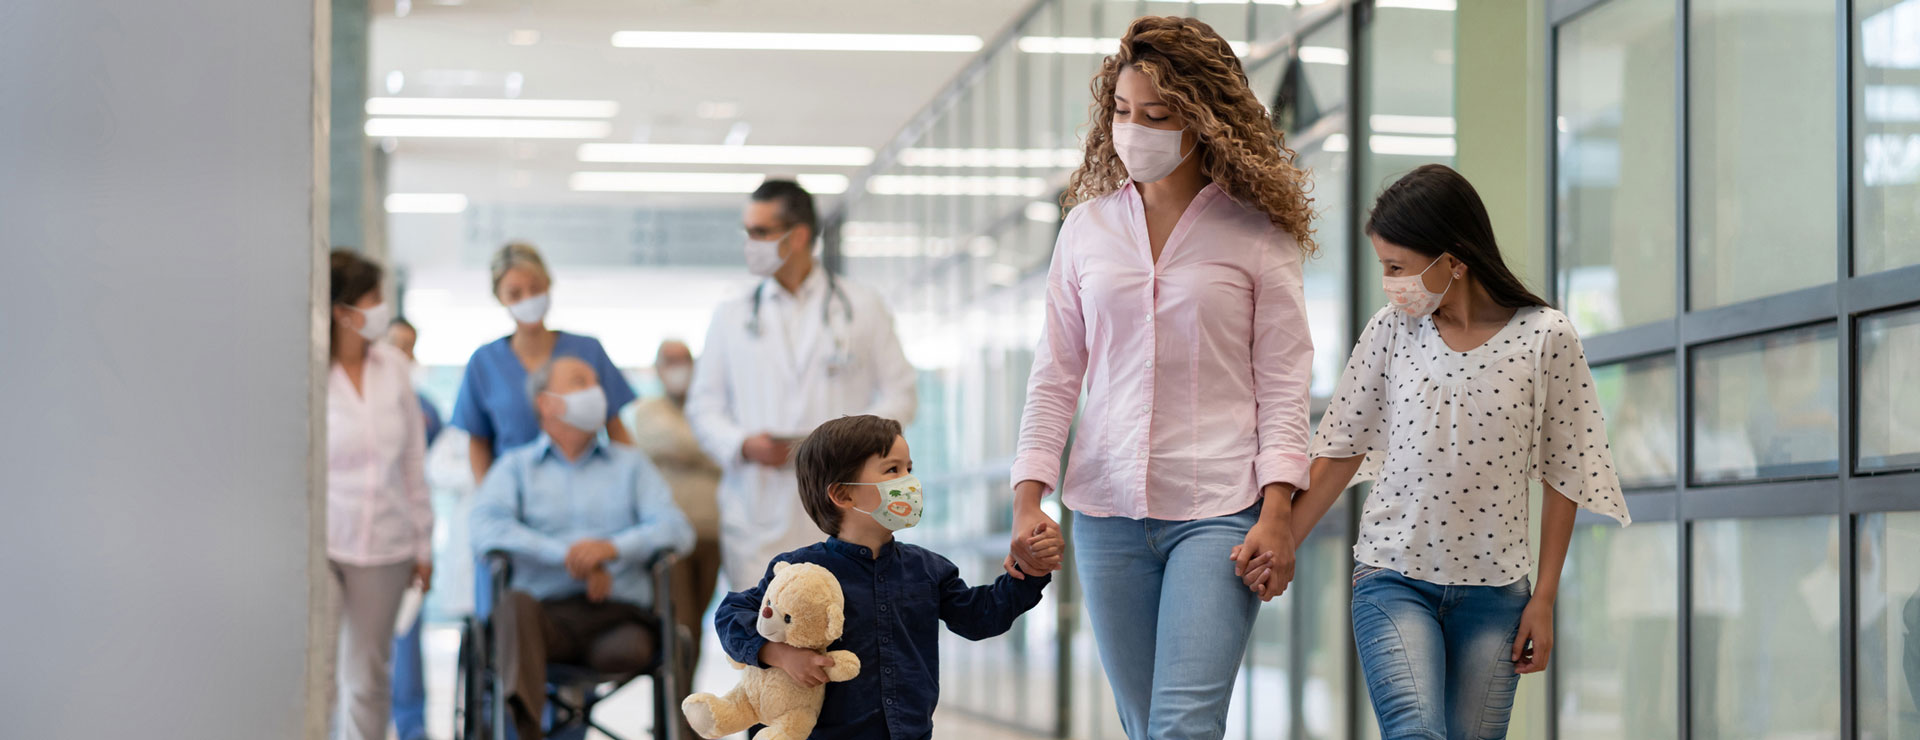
point(901, 503)
point(586, 408)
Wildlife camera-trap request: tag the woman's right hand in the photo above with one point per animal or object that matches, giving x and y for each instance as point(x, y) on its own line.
point(1031, 527)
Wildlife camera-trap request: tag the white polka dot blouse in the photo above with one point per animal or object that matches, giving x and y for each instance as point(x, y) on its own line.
point(1451, 438)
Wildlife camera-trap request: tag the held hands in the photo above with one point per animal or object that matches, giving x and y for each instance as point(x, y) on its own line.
point(1044, 544)
point(1264, 561)
point(586, 556)
point(805, 667)
point(1536, 626)
point(1037, 545)
point(762, 448)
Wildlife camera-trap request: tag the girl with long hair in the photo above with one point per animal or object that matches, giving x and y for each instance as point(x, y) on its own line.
point(1457, 392)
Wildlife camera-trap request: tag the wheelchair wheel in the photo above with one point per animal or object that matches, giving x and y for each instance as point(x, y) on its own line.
point(470, 682)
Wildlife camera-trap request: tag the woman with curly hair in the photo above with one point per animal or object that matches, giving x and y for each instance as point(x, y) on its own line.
point(1175, 299)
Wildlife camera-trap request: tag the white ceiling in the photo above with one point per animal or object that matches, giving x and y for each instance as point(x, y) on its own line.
point(783, 97)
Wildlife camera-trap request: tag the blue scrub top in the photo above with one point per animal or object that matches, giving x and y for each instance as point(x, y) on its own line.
point(493, 399)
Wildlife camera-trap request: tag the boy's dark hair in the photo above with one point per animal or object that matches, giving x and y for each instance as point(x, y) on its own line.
point(834, 453)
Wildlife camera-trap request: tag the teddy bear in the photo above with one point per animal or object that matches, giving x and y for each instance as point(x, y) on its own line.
point(803, 608)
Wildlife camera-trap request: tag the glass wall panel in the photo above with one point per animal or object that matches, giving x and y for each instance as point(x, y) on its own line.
point(1886, 131)
point(1766, 621)
point(1766, 407)
point(1888, 662)
point(1322, 589)
point(1312, 104)
point(1762, 143)
point(1615, 164)
point(1618, 621)
point(1267, 681)
point(1408, 87)
point(1889, 412)
point(1637, 400)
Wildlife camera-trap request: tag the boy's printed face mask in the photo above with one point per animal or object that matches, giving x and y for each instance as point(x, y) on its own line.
point(901, 503)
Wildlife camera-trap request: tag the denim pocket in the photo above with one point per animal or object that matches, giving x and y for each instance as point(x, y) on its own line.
point(1362, 571)
point(1522, 587)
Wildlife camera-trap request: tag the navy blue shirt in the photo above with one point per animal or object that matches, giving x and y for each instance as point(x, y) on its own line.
point(895, 604)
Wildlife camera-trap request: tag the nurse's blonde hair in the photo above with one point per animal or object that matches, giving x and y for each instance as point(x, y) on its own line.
point(1197, 75)
point(518, 254)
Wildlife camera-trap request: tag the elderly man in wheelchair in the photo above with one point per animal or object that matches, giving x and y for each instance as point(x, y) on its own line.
point(578, 536)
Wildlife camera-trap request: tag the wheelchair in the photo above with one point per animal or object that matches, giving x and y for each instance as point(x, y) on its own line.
point(572, 691)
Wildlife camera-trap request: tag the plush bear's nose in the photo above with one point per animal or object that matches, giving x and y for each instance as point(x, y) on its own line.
point(766, 612)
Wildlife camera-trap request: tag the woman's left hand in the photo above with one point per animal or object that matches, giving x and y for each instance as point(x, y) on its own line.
point(1536, 626)
point(1264, 561)
point(423, 575)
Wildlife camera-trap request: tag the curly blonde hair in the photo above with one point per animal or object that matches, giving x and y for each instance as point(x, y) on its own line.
point(1198, 76)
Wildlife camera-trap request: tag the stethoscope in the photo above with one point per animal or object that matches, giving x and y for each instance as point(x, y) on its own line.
point(842, 355)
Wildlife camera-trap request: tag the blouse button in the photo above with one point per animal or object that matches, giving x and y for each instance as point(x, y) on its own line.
point(1149, 364)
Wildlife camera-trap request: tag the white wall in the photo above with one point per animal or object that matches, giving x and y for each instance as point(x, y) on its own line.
point(157, 191)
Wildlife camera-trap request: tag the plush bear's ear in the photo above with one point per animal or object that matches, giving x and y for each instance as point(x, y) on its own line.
point(836, 617)
point(777, 567)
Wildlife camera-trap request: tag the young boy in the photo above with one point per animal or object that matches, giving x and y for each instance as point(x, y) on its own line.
point(857, 484)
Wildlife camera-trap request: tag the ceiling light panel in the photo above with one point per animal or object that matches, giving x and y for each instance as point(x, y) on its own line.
point(798, 156)
point(487, 128)
point(796, 41)
point(1035, 158)
point(426, 203)
point(492, 107)
point(1323, 55)
point(1089, 45)
point(694, 182)
point(1027, 187)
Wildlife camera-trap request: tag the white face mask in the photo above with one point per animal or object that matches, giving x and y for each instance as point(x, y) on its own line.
point(901, 503)
point(1409, 292)
point(763, 257)
point(374, 321)
point(586, 409)
point(531, 310)
point(1150, 154)
point(676, 379)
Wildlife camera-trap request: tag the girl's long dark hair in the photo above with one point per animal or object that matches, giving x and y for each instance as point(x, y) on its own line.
point(1435, 211)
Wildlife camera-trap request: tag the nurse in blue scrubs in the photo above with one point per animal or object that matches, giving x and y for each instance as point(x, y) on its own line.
point(493, 407)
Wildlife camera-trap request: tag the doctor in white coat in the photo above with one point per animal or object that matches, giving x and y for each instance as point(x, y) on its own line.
point(803, 347)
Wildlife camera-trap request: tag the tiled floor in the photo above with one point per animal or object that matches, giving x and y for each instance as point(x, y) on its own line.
point(633, 707)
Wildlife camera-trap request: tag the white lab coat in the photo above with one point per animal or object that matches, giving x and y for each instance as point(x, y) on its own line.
point(747, 383)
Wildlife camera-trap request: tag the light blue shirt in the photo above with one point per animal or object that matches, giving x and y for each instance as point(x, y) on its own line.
point(535, 505)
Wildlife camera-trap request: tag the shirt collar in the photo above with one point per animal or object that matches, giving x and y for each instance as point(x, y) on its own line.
point(859, 551)
point(548, 449)
point(815, 282)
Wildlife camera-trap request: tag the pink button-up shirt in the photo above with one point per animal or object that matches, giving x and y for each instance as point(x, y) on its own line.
point(378, 508)
point(1195, 369)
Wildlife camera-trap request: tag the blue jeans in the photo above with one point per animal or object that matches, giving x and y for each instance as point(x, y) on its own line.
point(1438, 659)
point(1171, 618)
point(409, 685)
